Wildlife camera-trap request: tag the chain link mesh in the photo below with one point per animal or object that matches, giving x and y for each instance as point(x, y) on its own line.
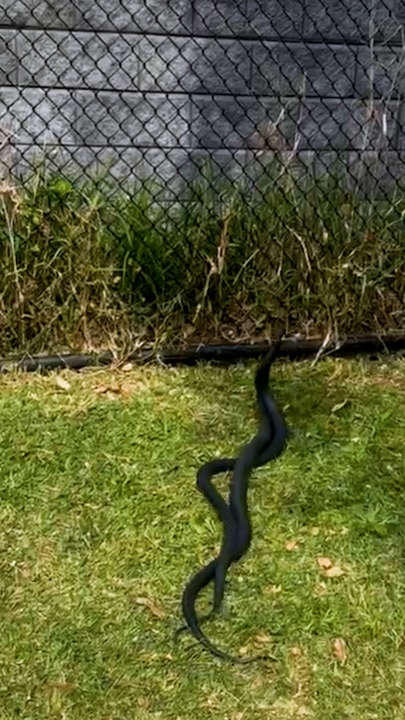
point(252, 152)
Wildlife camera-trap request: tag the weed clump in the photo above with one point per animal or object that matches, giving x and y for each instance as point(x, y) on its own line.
point(84, 266)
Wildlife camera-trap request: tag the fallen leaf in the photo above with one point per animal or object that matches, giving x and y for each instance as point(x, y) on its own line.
point(127, 367)
point(304, 711)
point(334, 572)
point(339, 650)
point(330, 570)
point(320, 589)
point(25, 570)
point(212, 700)
point(262, 638)
point(154, 609)
point(101, 389)
point(188, 330)
point(324, 562)
point(62, 383)
point(291, 545)
point(126, 391)
point(110, 391)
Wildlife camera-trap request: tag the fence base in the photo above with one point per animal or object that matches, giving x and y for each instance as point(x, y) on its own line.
point(225, 354)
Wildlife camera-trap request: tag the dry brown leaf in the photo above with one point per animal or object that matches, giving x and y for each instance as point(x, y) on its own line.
point(110, 391)
point(154, 609)
point(111, 395)
point(334, 572)
point(324, 562)
point(61, 383)
point(304, 711)
point(320, 589)
point(339, 650)
point(263, 638)
point(127, 367)
point(296, 651)
point(291, 545)
point(25, 570)
point(188, 330)
point(329, 569)
point(101, 389)
point(126, 391)
point(212, 700)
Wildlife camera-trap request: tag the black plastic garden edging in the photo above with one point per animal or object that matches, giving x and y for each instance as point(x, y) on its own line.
point(293, 348)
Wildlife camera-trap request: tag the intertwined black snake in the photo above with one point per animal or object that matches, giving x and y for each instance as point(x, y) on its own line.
point(265, 446)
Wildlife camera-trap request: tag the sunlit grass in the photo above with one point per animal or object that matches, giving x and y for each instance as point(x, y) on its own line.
point(101, 525)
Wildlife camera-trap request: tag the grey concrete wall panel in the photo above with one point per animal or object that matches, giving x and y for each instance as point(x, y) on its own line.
point(373, 174)
point(336, 21)
point(381, 72)
point(171, 16)
point(388, 21)
point(194, 65)
point(347, 125)
point(221, 17)
point(240, 122)
point(237, 80)
point(8, 58)
point(277, 18)
point(103, 118)
point(38, 116)
point(362, 20)
point(400, 144)
point(126, 165)
point(108, 118)
point(124, 62)
point(234, 165)
point(76, 60)
point(250, 18)
point(398, 9)
point(312, 70)
point(39, 13)
point(167, 16)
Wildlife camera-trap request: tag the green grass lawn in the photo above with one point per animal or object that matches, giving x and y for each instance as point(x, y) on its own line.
point(101, 526)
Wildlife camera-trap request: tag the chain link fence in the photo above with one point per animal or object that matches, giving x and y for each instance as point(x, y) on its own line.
point(231, 163)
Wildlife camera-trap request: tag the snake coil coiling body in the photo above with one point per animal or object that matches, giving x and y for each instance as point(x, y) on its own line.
point(267, 445)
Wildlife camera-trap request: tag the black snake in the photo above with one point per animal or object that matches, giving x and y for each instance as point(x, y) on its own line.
point(265, 446)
